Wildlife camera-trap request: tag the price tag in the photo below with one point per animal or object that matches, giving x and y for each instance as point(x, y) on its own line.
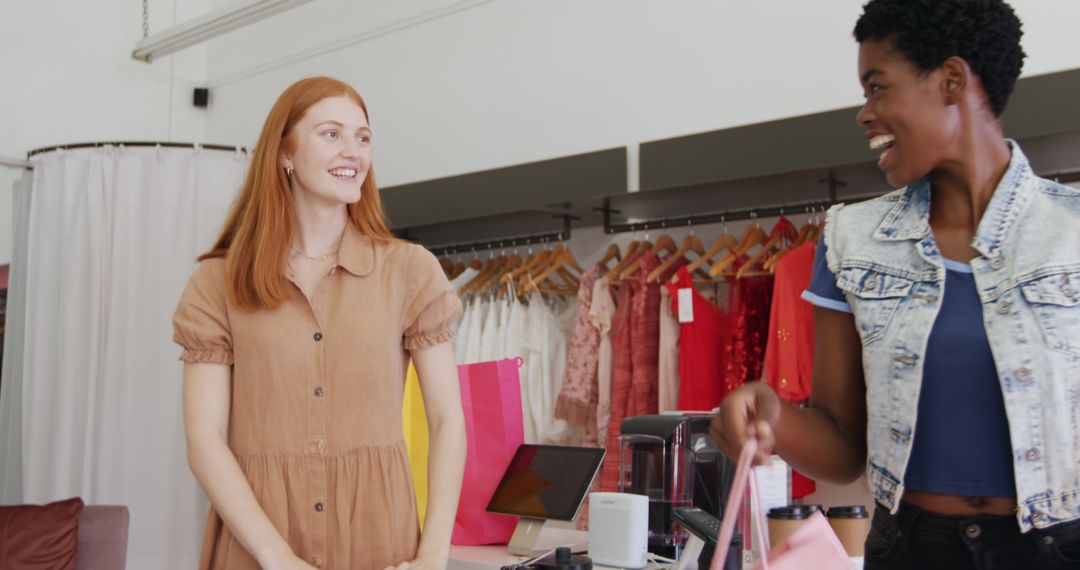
point(774, 482)
point(686, 305)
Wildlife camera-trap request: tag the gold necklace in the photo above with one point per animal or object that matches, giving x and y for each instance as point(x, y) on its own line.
point(320, 258)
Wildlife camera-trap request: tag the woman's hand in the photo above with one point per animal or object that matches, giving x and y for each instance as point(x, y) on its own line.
point(749, 412)
point(422, 563)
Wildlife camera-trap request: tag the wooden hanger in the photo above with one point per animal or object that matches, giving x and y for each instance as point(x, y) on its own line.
point(447, 265)
point(751, 237)
point(805, 233)
point(690, 243)
point(631, 251)
point(685, 247)
point(782, 232)
point(611, 253)
point(642, 248)
point(722, 242)
point(489, 266)
point(528, 265)
point(561, 259)
point(664, 242)
point(510, 263)
point(458, 269)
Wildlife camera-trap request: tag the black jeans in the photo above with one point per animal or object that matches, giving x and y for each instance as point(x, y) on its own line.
point(914, 539)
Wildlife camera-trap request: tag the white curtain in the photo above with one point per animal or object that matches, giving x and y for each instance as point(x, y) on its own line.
point(14, 333)
point(112, 239)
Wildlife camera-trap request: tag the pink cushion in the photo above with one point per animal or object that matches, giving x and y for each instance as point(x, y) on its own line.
point(103, 535)
point(40, 537)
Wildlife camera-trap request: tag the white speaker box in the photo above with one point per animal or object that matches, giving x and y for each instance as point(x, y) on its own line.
point(619, 529)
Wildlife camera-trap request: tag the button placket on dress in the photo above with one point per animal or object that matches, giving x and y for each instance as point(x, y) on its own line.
point(317, 420)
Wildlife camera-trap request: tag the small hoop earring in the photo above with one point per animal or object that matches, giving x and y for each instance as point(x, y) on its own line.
point(289, 171)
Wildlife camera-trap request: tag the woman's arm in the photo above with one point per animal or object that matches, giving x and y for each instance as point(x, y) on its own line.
point(206, 423)
point(827, 439)
point(437, 372)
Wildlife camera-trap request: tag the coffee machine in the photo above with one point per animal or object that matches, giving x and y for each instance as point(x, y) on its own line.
point(671, 459)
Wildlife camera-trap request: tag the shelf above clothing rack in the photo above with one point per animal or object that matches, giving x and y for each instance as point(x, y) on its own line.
point(529, 187)
point(504, 242)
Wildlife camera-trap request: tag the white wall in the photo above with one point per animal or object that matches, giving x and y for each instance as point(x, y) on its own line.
point(511, 81)
point(68, 75)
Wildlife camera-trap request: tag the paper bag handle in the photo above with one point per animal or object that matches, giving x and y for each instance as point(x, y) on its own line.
point(743, 474)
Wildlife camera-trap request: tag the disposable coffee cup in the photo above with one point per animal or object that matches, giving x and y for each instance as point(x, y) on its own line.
point(851, 525)
point(783, 521)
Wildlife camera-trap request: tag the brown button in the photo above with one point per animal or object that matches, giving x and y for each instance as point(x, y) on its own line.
point(1023, 374)
point(1004, 307)
point(318, 336)
point(997, 263)
point(319, 507)
point(1032, 454)
point(319, 392)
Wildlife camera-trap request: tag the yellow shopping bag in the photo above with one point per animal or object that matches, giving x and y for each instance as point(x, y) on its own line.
point(414, 421)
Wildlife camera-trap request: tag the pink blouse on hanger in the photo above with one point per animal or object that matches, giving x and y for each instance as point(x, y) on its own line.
point(578, 397)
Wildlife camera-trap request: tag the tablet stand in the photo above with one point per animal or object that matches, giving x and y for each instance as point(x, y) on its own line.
point(523, 543)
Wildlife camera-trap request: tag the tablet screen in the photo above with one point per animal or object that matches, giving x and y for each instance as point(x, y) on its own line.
point(546, 481)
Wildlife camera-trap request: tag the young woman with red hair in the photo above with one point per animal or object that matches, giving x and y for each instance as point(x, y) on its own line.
point(297, 328)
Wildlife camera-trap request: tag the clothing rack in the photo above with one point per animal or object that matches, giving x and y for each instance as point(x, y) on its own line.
point(135, 144)
point(504, 242)
point(725, 216)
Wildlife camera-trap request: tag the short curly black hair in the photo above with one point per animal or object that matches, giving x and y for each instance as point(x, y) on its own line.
point(985, 33)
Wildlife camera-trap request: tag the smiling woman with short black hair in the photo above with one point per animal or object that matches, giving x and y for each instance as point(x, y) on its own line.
point(947, 319)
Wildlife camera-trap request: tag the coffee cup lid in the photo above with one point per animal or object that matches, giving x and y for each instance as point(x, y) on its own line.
point(790, 512)
point(850, 512)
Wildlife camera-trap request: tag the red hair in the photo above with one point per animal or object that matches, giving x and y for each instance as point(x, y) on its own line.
point(262, 223)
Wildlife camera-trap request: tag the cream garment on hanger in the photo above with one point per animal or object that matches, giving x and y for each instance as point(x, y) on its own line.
point(669, 355)
point(465, 322)
point(476, 330)
point(600, 314)
point(489, 338)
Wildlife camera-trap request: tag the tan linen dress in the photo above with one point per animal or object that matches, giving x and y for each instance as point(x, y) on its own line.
point(317, 392)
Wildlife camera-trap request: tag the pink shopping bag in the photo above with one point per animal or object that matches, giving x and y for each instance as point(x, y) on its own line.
point(491, 398)
point(814, 545)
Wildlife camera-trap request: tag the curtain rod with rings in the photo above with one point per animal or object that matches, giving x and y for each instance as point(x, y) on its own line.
point(15, 163)
point(136, 144)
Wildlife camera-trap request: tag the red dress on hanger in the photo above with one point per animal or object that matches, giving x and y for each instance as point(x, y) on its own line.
point(789, 357)
point(750, 302)
point(621, 378)
point(702, 348)
point(645, 341)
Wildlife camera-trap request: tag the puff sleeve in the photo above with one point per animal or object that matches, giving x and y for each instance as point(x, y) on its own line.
point(201, 321)
point(432, 308)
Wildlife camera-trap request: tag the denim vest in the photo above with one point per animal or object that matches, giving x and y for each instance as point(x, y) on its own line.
point(1028, 276)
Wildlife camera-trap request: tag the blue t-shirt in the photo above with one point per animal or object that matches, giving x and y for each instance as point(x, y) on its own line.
point(962, 445)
